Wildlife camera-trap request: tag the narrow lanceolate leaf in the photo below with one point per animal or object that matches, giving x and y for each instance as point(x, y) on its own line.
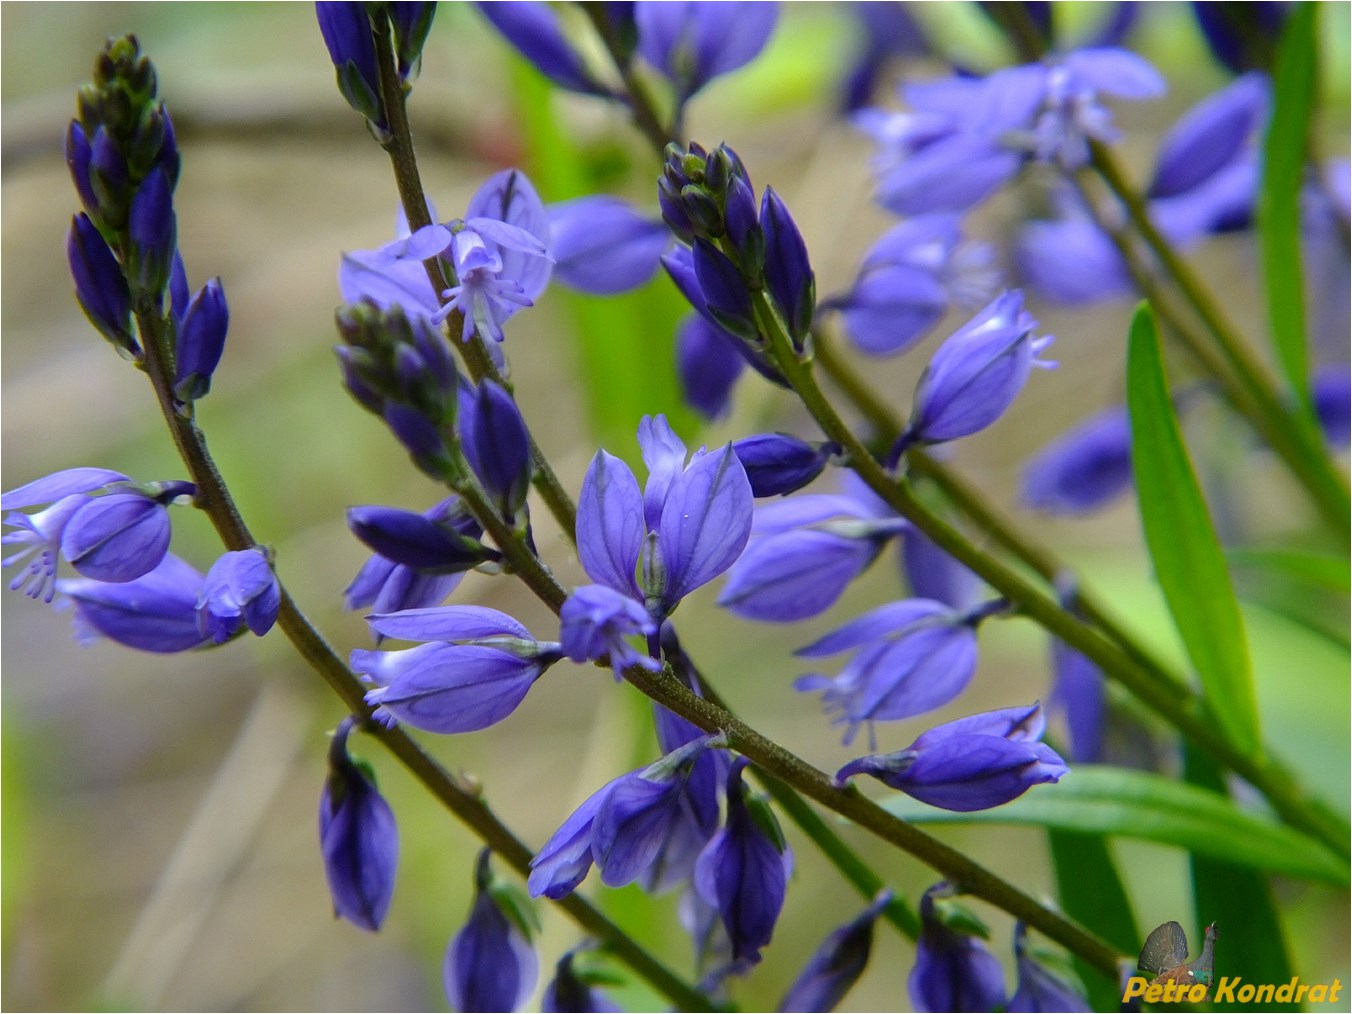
point(1284, 155)
point(1186, 554)
point(1094, 799)
point(1090, 890)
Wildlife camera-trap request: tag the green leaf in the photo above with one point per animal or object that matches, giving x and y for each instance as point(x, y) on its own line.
point(1321, 571)
point(1096, 799)
point(1285, 151)
point(1186, 554)
point(1090, 891)
point(1249, 936)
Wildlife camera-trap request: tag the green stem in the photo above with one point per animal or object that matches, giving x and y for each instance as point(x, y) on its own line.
point(460, 797)
point(1296, 443)
point(475, 352)
point(640, 103)
point(1188, 714)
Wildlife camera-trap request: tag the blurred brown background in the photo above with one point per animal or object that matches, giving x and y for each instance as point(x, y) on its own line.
point(159, 836)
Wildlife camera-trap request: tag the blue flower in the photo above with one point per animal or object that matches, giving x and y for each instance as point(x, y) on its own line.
point(975, 375)
point(533, 28)
point(490, 964)
point(476, 670)
point(932, 573)
point(1039, 989)
point(908, 280)
point(498, 252)
point(743, 870)
point(156, 612)
point(778, 464)
point(240, 590)
point(837, 964)
point(708, 361)
point(1084, 468)
point(805, 551)
point(914, 656)
point(497, 446)
point(601, 244)
point(201, 340)
point(688, 526)
point(357, 837)
point(152, 233)
point(692, 43)
point(953, 971)
point(597, 620)
point(439, 542)
point(973, 763)
point(100, 285)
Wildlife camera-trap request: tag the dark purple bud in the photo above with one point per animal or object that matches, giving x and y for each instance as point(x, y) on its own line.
point(709, 361)
point(778, 464)
point(430, 545)
point(78, 156)
point(1083, 469)
point(1039, 988)
point(724, 292)
point(976, 374)
point(603, 246)
point(357, 837)
point(179, 294)
point(167, 157)
point(152, 233)
point(99, 285)
point(156, 612)
point(702, 209)
point(411, 22)
point(497, 445)
point(571, 991)
point(449, 688)
point(347, 34)
point(1242, 36)
point(743, 228)
point(788, 273)
point(490, 964)
point(108, 179)
point(388, 587)
point(533, 28)
point(1332, 394)
point(673, 210)
point(118, 537)
point(743, 871)
point(201, 340)
point(973, 763)
point(953, 971)
point(240, 591)
point(420, 436)
point(836, 965)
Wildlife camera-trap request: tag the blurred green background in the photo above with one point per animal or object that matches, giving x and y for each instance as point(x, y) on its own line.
point(159, 843)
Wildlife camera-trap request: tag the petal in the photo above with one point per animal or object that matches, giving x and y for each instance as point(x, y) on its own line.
point(58, 485)
point(610, 524)
point(603, 246)
point(877, 623)
point(447, 623)
point(706, 520)
point(118, 537)
point(790, 577)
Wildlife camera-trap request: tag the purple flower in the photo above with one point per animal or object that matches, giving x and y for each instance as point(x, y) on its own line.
point(1078, 687)
point(689, 525)
point(100, 285)
point(1210, 136)
point(156, 612)
point(778, 464)
point(640, 826)
point(498, 252)
point(1084, 468)
point(79, 156)
point(914, 656)
point(201, 340)
point(152, 233)
point(837, 963)
point(496, 443)
point(1071, 113)
point(975, 375)
point(804, 554)
point(118, 536)
point(909, 279)
point(387, 586)
point(708, 361)
point(743, 870)
point(1071, 261)
point(973, 763)
point(692, 43)
point(477, 670)
point(597, 620)
point(932, 573)
point(347, 34)
point(490, 964)
point(788, 272)
point(444, 540)
point(533, 28)
point(240, 590)
point(953, 971)
point(357, 837)
point(1039, 989)
point(602, 245)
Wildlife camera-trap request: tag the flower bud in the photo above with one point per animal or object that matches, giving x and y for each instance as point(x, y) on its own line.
point(788, 273)
point(240, 590)
point(100, 286)
point(201, 340)
point(490, 964)
point(155, 612)
point(152, 234)
point(497, 445)
point(118, 537)
point(953, 970)
point(347, 34)
point(778, 464)
point(429, 545)
point(837, 963)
